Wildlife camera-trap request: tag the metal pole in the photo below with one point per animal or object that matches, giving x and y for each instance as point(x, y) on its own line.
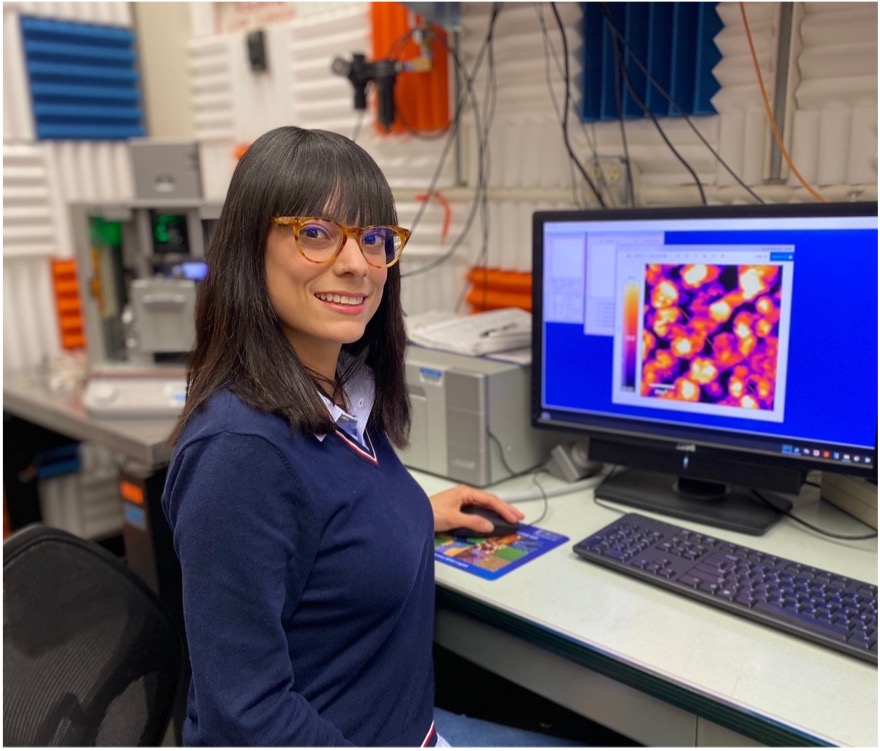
point(780, 91)
point(457, 86)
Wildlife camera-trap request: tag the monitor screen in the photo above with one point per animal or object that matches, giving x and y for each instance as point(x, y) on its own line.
point(714, 351)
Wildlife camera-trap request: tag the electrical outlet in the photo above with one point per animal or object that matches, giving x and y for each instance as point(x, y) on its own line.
point(610, 178)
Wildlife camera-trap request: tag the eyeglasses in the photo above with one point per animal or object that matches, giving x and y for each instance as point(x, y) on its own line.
point(321, 241)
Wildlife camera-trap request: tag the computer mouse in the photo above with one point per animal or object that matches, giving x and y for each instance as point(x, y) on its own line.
point(502, 526)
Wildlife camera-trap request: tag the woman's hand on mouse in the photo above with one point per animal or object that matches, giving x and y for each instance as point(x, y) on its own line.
point(448, 505)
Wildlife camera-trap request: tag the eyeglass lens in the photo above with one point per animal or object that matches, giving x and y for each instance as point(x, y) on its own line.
point(319, 240)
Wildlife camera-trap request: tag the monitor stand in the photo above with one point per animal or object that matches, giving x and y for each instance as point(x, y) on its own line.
point(716, 505)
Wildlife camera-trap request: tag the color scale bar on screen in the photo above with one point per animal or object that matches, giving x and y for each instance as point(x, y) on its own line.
point(630, 334)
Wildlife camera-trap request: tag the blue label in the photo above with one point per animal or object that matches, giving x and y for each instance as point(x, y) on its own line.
point(430, 375)
point(135, 516)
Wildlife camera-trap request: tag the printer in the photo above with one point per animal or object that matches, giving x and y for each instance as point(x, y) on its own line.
point(466, 411)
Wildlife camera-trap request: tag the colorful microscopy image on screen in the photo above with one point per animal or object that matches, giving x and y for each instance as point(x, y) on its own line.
point(710, 334)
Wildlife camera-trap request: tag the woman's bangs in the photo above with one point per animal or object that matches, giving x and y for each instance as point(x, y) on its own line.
point(305, 191)
point(359, 199)
point(349, 190)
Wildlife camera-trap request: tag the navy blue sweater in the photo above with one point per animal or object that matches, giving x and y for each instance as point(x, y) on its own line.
point(308, 585)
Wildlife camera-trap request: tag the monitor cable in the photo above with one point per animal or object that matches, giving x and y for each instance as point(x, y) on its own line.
point(819, 530)
point(616, 469)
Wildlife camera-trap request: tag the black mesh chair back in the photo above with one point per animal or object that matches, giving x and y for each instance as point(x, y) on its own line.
point(91, 656)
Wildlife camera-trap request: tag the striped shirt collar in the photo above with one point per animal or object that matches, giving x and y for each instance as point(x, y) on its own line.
point(360, 395)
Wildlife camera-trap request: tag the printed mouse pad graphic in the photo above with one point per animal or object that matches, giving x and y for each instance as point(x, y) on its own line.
point(493, 557)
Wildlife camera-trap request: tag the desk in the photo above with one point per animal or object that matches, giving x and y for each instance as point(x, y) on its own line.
point(658, 667)
point(655, 666)
point(141, 442)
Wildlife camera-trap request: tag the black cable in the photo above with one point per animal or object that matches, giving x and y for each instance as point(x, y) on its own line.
point(618, 100)
point(453, 248)
point(513, 474)
point(620, 65)
point(475, 201)
point(422, 136)
point(503, 458)
point(396, 47)
point(468, 92)
point(588, 93)
point(666, 95)
point(455, 125)
point(490, 97)
point(399, 116)
point(457, 242)
point(616, 469)
point(394, 50)
point(453, 132)
point(807, 524)
point(491, 101)
point(565, 137)
point(626, 159)
point(548, 49)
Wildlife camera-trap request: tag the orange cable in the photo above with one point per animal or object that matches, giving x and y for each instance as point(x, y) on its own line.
point(813, 192)
point(447, 211)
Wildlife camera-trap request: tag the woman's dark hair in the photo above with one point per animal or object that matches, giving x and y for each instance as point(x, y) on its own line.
point(239, 343)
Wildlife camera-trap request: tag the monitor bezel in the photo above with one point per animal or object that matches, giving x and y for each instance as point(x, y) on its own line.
point(704, 449)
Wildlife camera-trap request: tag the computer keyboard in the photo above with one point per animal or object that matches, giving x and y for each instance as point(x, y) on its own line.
point(836, 611)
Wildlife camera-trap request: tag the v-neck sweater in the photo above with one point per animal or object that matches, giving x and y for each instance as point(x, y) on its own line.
point(308, 585)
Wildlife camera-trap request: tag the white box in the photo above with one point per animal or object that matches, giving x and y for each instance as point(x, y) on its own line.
point(855, 495)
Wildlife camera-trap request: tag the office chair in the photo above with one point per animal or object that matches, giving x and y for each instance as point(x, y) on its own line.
point(91, 656)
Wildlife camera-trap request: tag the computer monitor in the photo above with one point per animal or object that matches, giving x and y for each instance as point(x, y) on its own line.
point(711, 351)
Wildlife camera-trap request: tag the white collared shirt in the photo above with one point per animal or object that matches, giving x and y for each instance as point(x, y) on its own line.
point(360, 394)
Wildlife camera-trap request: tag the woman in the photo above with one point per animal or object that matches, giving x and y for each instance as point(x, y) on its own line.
point(306, 547)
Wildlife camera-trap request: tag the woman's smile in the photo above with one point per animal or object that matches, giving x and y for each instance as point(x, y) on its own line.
point(342, 302)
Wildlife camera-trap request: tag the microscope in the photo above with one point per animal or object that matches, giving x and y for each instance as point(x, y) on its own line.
point(139, 265)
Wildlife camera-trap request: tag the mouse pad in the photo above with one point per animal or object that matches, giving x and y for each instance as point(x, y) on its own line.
point(493, 557)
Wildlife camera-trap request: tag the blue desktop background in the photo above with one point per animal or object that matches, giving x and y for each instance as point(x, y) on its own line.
point(831, 395)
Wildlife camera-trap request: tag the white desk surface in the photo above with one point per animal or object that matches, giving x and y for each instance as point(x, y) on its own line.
point(725, 658)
